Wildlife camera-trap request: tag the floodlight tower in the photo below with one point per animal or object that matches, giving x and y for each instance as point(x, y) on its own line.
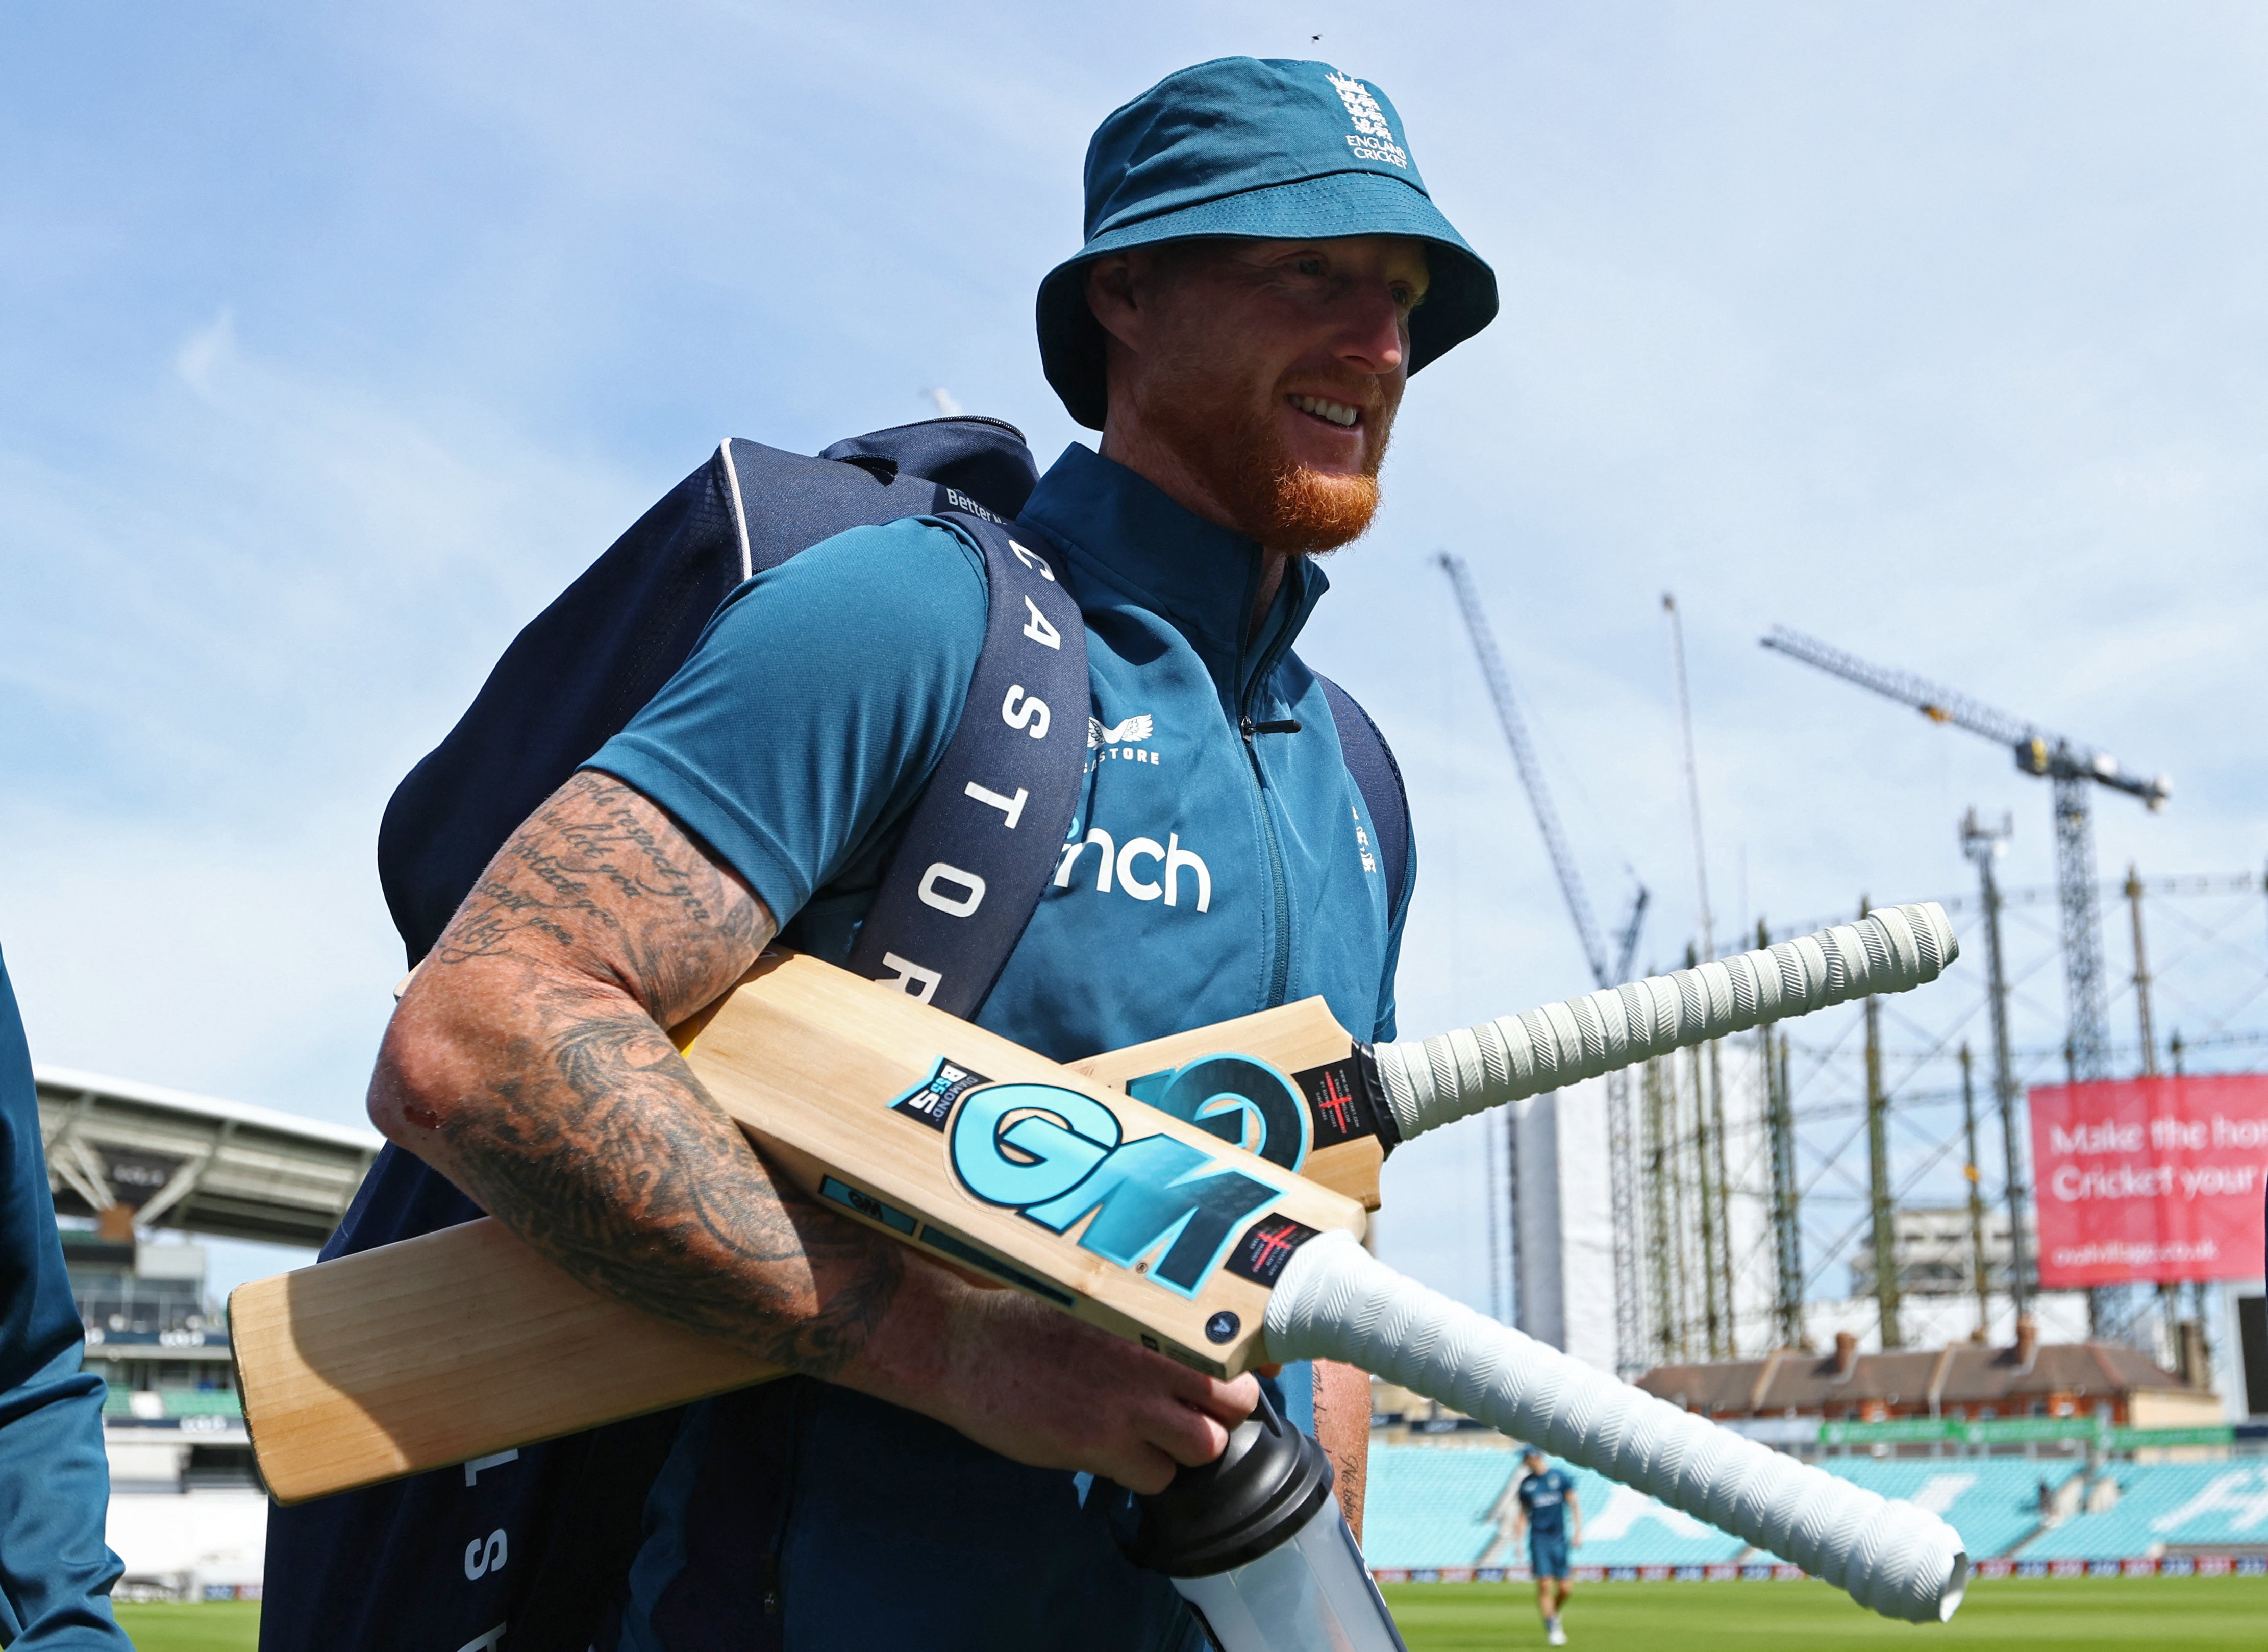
point(1607, 970)
point(1984, 846)
point(2072, 768)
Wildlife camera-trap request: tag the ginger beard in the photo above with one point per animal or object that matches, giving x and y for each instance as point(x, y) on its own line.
point(1232, 442)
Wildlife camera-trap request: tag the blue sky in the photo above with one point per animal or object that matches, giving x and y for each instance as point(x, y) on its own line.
point(337, 340)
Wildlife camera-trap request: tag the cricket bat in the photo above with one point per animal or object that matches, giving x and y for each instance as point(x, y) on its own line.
point(463, 1343)
point(1152, 1224)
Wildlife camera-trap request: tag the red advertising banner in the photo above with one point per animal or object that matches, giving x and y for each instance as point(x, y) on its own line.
point(2151, 1180)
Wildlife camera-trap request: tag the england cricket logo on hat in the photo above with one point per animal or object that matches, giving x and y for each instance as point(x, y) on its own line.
point(1372, 139)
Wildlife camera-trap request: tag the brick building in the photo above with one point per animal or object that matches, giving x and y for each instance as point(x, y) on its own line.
point(1967, 1380)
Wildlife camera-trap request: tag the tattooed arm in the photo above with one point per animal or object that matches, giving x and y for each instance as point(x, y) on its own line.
point(527, 1062)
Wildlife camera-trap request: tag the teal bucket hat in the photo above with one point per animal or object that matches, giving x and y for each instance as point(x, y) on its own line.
point(1262, 148)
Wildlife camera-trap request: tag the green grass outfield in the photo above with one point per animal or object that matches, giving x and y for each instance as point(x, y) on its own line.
point(2129, 1613)
point(230, 1625)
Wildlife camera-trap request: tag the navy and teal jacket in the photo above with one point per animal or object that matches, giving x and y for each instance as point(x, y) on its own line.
point(1216, 865)
point(55, 1571)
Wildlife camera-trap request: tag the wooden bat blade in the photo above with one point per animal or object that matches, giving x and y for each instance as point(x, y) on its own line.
point(464, 1343)
point(442, 1349)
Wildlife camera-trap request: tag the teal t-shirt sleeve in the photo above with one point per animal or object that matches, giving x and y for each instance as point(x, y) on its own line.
point(810, 713)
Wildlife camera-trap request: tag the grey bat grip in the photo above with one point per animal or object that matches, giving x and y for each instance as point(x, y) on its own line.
point(1429, 1082)
point(1337, 1301)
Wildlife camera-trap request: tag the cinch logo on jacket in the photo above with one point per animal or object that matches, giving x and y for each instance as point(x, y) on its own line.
point(1120, 866)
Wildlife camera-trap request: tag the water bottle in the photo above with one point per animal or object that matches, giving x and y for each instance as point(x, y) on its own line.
point(1256, 1543)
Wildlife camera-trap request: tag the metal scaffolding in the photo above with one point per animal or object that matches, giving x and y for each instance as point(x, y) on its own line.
point(1804, 1217)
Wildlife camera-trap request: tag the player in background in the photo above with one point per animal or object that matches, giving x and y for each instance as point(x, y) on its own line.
point(1553, 1521)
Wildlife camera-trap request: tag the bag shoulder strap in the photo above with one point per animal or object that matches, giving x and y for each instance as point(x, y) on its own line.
point(783, 502)
point(1370, 760)
point(982, 841)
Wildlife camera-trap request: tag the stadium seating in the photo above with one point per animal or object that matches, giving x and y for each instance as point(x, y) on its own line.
point(1430, 1509)
point(2166, 1505)
point(1426, 1507)
point(1622, 1526)
point(1992, 1502)
point(172, 1403)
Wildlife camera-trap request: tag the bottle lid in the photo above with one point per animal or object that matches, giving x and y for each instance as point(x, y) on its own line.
point(1229, 1512)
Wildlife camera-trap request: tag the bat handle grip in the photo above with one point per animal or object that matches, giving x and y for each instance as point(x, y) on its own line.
point(1337, 1301)
point(1426, 1083)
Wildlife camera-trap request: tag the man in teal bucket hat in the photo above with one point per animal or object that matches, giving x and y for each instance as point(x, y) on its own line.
point(951, 1470)
point(1248, 150)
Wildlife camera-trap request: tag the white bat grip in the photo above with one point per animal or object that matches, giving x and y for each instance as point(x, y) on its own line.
point(1429, 1082)
point(1337, 1301)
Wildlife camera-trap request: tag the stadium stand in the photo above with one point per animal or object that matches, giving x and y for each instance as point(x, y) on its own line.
point(1622, 1526)
point(2167, 1507)
point(1429, 1508)
point(1992, 1503)
point(170, 1404)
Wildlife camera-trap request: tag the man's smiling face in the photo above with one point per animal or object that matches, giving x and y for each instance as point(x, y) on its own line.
point(1266, 374)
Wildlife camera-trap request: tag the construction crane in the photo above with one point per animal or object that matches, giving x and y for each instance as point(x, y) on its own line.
point(1607, 970)
point(2072, 769)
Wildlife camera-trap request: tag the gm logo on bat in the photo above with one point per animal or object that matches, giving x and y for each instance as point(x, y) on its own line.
point(1057, 1156)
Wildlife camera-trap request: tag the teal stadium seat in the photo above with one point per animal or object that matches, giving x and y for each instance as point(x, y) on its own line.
point(1992, 1502)
point(1429, 1508)
point(1426, 1507)
point(2167, 1505)
point(1622, 1526)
